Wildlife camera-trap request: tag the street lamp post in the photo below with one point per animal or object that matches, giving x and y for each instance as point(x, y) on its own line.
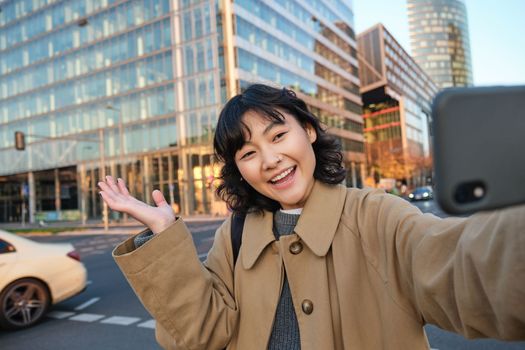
point(120, 133)
point(105, 216)
point(121, 142)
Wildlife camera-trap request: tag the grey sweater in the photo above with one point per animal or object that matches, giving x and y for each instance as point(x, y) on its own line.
point(285, 332)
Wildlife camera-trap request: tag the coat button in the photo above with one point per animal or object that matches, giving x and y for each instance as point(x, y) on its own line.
point(308, 306)
point(296, 247)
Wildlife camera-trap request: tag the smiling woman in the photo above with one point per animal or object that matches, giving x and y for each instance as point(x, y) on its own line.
point(320, 266)
point(260, 127)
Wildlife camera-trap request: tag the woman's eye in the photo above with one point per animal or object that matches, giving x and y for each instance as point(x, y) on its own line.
point(279, 136)
point(247, 154)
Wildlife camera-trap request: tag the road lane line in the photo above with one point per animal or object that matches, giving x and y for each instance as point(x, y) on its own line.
point(147, 324)
point(87, 303)
point(120, 320)
point(87, 317)
point(60, 314)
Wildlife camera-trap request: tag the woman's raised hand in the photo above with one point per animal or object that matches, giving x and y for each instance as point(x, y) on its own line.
point(117, 197)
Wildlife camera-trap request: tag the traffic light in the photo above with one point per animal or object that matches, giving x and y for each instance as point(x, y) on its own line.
point(20, 140)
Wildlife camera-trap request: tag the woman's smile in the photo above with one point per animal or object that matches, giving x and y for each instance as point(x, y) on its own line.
point(283, 177)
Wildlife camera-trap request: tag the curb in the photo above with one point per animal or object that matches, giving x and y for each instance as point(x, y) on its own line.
point(129, 228)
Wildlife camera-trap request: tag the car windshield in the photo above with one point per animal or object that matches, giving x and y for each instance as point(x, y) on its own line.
point(421, 190)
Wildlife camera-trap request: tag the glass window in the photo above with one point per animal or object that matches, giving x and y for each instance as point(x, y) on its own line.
point(197, 20)
point(187, 27)
point(188, 60)
point(200, 57)
point(6, 247)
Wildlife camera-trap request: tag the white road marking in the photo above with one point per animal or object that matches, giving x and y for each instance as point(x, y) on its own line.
point(87, 317)
point(115, 320)
point(99, 252)
point(147, 324)
point(60, 314)
point(120, 320)
point(87, 303)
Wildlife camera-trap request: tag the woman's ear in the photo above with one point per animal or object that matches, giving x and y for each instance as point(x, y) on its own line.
point(310, 131)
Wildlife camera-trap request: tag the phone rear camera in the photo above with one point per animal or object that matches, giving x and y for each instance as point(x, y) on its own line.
point(479, 192)
point(470, 192)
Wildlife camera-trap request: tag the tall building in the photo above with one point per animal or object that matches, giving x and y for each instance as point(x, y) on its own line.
point(439, 40)
point(137, 85)
point(397, 98)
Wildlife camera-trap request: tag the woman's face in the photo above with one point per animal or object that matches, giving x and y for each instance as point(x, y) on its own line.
point(278, 160)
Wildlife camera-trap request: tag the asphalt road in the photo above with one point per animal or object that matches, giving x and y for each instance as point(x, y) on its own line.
point(107, 315)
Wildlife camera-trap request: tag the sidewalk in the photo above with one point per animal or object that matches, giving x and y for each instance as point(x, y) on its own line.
point(129, 226)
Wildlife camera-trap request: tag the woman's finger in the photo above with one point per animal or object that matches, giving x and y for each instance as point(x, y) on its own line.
point(108, 191)
point(111, 183)
point(122, 187)
point(158, 198)
point(106, 198)
point(104, 187)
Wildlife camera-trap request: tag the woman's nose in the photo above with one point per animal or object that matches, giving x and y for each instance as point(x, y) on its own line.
point(271, 161)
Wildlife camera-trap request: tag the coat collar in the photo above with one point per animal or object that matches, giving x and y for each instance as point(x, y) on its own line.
point(316, 226)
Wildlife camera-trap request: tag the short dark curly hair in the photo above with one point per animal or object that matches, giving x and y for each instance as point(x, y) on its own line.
point(229, 138)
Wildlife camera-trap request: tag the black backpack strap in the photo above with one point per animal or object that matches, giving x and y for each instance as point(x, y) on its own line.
point(236, 234)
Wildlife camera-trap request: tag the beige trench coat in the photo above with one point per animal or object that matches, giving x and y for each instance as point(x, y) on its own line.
point(373, 268)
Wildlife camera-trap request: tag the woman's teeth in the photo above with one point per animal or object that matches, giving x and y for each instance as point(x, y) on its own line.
point(282, 175)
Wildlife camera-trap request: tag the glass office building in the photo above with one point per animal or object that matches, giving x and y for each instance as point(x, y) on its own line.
point(439, 40)
point(397, 97)
point(133, 88)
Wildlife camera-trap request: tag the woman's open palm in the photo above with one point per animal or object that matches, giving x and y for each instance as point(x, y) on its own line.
point(117, 197)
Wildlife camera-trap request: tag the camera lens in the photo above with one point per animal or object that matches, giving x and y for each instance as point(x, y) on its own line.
point(469, 192)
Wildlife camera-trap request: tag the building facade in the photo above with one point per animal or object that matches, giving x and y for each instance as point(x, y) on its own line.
point(439, 40)
point(133, 88)
point(397, 97)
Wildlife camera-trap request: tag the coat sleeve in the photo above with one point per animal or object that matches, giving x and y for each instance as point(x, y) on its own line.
point(466, 275)
point(191, 302)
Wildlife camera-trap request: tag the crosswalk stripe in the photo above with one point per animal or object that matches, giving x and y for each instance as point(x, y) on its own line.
point(60, 314)
point(87, 303)
point(116, 320)
point(87, 317)
point(120, 320)
point(147, 324)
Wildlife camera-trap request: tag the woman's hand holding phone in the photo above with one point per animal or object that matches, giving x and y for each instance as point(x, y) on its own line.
point(156, 218)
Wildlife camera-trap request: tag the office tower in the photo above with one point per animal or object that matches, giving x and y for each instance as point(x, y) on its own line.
point(397, 95)
point(440, 40)
point(137, 85)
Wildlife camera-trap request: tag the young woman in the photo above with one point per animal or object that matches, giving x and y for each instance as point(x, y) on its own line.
point(321, 266)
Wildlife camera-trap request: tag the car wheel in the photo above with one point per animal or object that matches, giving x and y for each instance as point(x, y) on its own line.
point(23, 303)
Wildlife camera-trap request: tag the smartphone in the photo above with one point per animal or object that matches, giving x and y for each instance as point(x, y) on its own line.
point(479, 148)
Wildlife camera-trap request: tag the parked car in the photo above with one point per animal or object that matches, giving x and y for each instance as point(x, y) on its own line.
point(34, 276)
point(421, 193)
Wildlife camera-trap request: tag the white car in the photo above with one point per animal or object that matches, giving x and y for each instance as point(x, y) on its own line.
point(34, 276)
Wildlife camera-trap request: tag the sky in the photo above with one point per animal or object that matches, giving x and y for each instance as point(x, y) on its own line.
point(496, 30)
